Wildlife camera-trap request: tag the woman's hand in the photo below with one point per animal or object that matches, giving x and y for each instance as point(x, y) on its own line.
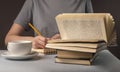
point(56, 36)
point(39, 42)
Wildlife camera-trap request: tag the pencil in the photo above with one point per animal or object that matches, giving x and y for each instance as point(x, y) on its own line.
point(44, 51)
point(35, 29)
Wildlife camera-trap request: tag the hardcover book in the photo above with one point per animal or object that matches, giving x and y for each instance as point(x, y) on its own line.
point(73, 61)
point(74, 54)
point(70, 48)
point(72, 44)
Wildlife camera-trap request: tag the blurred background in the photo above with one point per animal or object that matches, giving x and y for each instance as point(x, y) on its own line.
point(9, 9)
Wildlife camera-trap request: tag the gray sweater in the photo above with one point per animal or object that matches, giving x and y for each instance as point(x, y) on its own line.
point(41, 13)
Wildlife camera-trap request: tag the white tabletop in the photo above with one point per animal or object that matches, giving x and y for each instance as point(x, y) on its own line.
point(47, 64)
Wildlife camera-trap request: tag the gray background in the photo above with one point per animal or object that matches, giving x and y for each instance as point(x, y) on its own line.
point(9, 9)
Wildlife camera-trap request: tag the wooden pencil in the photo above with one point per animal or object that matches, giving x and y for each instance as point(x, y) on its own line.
point(35, 29)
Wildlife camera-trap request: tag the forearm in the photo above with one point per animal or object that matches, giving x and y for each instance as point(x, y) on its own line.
point(15, 38)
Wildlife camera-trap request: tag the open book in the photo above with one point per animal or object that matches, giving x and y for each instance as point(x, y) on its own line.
point(86, 27)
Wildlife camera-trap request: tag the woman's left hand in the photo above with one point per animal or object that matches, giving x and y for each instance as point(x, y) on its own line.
point(56, 36)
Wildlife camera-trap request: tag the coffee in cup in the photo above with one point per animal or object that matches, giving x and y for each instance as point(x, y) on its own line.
point(19, 47)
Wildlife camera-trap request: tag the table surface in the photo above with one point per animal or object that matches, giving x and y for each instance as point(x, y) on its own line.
point(46, 63)
point(42, 63)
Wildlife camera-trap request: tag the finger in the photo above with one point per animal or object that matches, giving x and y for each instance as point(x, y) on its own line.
point(48, 39)
point(43, 39)
point(37, 45)
point(40, 41)
point(57, 36)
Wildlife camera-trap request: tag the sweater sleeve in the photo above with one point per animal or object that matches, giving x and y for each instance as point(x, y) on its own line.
point(25, 15)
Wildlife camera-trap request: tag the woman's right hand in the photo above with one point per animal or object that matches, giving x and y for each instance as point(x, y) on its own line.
point(39, 42)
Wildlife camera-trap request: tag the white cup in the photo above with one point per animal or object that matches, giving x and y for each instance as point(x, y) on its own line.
point(19, 48)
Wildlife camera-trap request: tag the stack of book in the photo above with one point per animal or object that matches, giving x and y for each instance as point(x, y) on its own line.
point(81, 33)
point(73, 57)
point(73, 53)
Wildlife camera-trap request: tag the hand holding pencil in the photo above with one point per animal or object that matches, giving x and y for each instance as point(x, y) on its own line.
point(39, 41)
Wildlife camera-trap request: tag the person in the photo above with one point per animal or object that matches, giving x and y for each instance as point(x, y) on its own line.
point(41, 13)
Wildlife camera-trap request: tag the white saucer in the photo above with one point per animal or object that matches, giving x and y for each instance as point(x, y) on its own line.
point(28, 56)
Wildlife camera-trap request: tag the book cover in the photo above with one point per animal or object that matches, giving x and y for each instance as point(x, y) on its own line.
point(69, 48)
point(74, 54)
point(72, 44)
point(72, 61)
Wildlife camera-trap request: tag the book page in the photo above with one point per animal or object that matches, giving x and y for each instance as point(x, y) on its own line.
point(81, 27)
point(85, 26)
